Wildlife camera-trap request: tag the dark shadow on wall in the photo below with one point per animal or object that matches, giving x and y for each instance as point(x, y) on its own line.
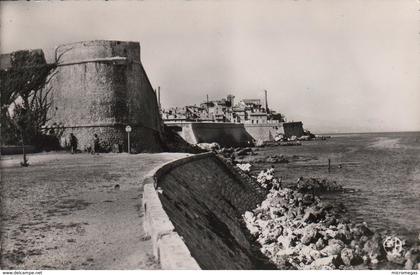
point(172, 142)
point(226, 135)
point(205, 201)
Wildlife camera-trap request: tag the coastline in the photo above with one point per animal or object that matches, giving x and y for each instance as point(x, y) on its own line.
point(263, 158)
point(294, 227)
point(380, 183)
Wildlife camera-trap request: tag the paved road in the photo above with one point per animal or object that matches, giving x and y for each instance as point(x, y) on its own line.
point(76, 211)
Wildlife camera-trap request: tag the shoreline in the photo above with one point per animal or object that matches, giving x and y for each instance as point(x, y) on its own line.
point(295, 227)
point(310, 233)
point(260, 161)
point(379, 182)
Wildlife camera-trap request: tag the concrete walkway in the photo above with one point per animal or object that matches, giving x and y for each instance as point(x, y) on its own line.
point(76, 211)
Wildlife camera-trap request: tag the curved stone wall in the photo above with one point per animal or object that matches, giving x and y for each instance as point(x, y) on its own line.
point(204, 200)
point(97, 49)
point(100, 87)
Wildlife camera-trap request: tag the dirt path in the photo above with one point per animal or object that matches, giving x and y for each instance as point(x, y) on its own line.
point(76, 211)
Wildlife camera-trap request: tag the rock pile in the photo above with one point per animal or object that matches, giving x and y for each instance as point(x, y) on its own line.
point(246, 167)
point(297, 230)
point(212, 147)
point(317, 185)
point(236, 153)
point(272, 159)
point(267, 180)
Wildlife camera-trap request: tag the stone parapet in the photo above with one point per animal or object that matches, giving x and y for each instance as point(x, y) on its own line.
point(168, 247)
point(194, 208)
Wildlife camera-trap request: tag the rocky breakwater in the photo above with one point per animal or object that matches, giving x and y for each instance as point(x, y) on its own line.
point(249, 155)
point(296, 230)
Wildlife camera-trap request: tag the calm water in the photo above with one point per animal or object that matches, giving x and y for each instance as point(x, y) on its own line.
point(380, 171)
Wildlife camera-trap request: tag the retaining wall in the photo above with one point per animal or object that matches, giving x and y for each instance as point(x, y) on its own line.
point(226, 134)
point(293, 129)
point(264, 132)
point(194, 218)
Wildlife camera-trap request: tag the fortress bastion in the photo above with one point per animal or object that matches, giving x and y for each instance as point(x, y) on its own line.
point(99, 88)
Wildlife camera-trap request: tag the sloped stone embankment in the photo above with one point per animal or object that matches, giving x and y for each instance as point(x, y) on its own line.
point(204, 200)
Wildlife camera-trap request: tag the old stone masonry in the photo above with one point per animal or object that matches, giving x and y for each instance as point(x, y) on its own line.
point(100, 87)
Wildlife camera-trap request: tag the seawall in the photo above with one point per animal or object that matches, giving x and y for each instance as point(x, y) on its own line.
point(193, 209)
point(226, 134)
point(293, 129)
point(265, 131)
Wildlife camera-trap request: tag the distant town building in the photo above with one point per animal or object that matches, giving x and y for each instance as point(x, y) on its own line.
point(247, 111)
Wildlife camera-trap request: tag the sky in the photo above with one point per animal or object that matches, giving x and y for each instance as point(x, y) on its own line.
point(338, 66)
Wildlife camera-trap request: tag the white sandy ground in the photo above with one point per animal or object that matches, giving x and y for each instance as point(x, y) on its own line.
point(76, 211)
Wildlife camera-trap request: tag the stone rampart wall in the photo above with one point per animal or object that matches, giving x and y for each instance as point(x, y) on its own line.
point(100, 87)
point(264, 132)
point(293, 129)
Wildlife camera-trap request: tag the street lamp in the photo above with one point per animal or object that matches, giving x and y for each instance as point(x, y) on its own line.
point(128, 130)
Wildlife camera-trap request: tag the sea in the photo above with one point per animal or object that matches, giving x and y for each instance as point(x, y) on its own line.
point(380, 173)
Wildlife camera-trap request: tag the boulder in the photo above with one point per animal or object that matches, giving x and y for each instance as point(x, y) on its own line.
point(249, 216)
point(278, 201)
point(325, 263)
point(347, 256)
point(373, 248)
point(330, 221)
point(270, 250)
point(285, 242)
point(306, 250)
point(338, 242)
point(330, 233)
point(353, 244)
point(334, 247)
point(320, 244)
point(285, 252)
point(395, 258)
point(253, 229)
point(344, 235)
point(309, 234)
point(363, 240)
point(308, 199)
point(341, 226)
point(270, 233)
point(262, 224)
point(312, 215)
point(282, 261)
point(209, 146)
point(409, 265)
point(361, 230)
point(413, 257)
point(265, 205)
point(276, 212)
point(350, 257)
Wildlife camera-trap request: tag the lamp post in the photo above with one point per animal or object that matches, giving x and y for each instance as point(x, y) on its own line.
point(25, 162)
point(128, 130)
